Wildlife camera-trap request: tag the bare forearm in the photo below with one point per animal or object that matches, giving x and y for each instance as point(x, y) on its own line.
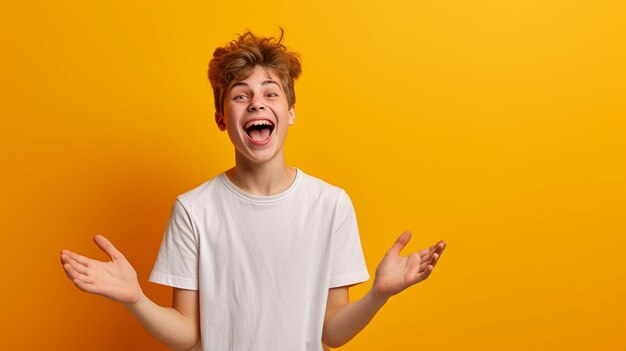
point(346, 322)
point(165, 323)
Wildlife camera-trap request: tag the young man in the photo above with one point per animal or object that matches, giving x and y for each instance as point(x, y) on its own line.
point(260, 257)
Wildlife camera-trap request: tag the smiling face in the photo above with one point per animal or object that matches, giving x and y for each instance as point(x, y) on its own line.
point(257, 116)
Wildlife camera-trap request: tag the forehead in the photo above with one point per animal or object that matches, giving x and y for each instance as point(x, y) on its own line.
point(260, 75)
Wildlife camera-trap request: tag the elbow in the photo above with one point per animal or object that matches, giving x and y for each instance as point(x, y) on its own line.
point(192, 344)
point(186, 347)
point(333, 344)
point(332, 341)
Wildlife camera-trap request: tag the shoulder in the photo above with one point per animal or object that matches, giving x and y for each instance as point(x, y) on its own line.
point(322, 190)
point(201, 193)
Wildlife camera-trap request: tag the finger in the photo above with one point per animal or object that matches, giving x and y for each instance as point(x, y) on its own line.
point(76, 276)
point(83, 279)
point(78, 258)
point(422, 275)
point(70, 272)
point(432, 261)
point(105, 245)
point(423, 265)
point(425, 258)
point(80, 268)
point(440, 246)
point(427, 272)
point(400, 243)
point(71, 258)
point(85, 286)
point(426, 252)
point(64, 256)
point(74, 269)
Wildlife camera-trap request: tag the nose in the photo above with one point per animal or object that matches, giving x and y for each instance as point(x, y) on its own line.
point(256, 105)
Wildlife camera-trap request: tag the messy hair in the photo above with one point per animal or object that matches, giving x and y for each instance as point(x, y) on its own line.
point(236, 60)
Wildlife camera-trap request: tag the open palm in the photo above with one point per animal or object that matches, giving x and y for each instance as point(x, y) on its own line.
point(396, 273)
point(115, 279)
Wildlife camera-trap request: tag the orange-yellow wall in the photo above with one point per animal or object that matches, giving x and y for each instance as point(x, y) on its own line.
point(499, 126)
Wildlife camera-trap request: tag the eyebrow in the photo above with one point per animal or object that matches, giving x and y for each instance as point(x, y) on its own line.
point(244, 84)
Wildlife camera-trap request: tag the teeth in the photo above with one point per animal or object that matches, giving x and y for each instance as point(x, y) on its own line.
point(259, 122)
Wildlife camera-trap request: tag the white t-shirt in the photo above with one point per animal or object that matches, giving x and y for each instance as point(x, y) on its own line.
point(262, 264)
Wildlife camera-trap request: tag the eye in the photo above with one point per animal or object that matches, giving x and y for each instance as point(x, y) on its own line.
point(272, 94)
point(239, 97)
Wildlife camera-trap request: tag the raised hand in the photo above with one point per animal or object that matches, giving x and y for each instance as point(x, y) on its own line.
point(396, 273)
point(115, 279)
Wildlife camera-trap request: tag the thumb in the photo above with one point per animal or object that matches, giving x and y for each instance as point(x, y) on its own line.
point(105, 245)
point(400, 243)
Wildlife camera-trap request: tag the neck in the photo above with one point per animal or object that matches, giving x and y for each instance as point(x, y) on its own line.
point(261, 179)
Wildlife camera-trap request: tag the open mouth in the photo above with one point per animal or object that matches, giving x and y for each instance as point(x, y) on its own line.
point(259, 130)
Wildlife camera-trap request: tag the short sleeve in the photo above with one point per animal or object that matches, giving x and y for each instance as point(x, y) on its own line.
point(177, 262)
point(348, 263)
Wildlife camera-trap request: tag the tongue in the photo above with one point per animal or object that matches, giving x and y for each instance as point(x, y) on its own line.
point(259, 134)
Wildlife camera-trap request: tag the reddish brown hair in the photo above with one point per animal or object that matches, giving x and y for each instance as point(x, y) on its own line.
point(236, 60)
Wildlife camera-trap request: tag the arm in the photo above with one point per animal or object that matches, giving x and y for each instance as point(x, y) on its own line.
point(344, 320)
point(176, 326)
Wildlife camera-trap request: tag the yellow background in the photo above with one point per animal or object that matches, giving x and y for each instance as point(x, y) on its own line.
point(497, 125)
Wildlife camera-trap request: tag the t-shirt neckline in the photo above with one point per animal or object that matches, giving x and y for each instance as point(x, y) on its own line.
point(258, 198)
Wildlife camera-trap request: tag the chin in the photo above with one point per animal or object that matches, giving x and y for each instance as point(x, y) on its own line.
point(259, 156)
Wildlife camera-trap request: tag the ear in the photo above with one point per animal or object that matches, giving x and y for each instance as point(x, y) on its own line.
point(219, 120)
point(292, 115)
